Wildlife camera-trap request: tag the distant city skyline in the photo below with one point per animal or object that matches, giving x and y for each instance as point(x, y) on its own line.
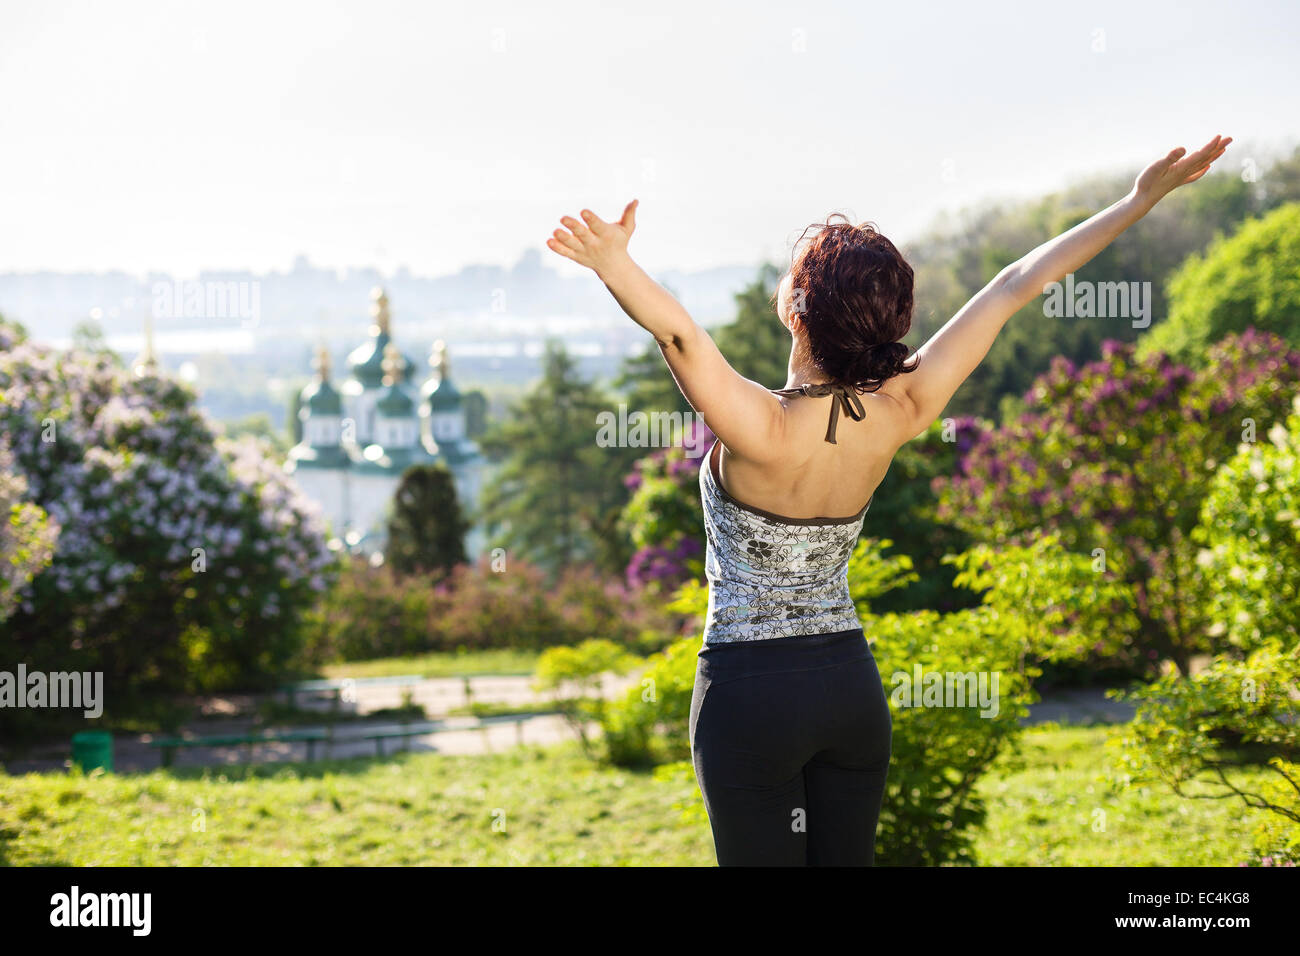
point(175, 138)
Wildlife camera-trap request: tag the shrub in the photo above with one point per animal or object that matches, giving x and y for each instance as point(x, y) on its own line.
point(1192, 734)
point(1117, 457)
point(582, 667)
point(184, 561)
point(373, 612)
point(1248, 280)
point(1250, 526)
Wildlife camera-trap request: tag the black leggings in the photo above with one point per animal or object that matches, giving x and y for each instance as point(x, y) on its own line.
point(790, 738)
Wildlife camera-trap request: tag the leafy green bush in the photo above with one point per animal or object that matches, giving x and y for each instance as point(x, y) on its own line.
point(650, 724)
point(1117, 457)
point(184, 562)
point(1194, 734)
point(373, 613)
point(1250, 526)
point(1251, 279)
point(583, 668)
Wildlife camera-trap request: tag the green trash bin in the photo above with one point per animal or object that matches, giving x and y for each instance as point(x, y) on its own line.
point(92, 749)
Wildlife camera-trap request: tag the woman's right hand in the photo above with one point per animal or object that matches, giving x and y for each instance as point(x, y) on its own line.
point(1177, 169)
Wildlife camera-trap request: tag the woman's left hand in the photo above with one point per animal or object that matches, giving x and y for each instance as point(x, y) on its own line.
point(600, 246)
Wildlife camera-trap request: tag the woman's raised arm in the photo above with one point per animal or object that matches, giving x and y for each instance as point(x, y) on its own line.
point(747, 417)
point(952, 353)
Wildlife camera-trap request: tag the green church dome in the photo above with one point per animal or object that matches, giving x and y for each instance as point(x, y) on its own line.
point(439, 393)
point(366, 361)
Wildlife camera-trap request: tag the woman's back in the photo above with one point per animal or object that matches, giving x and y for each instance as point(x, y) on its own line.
point(812, 477)
point(774, 572)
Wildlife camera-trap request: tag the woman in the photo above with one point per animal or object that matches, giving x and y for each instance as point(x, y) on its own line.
point(790, 729)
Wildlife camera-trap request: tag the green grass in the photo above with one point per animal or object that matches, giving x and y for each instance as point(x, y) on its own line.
point(1044, 814)
point(440, 664)
point(557, 809)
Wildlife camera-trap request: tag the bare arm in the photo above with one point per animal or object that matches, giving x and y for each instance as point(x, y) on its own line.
point(953, 352)
point(747, 417)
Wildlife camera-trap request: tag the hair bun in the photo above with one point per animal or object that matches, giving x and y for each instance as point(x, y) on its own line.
point(874, 364)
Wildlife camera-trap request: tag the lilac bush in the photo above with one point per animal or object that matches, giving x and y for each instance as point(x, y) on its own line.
point(27, 534)
point(184, 561)
point(663, 518)
point(1118, 456)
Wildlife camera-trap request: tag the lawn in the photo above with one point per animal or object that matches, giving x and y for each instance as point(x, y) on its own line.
point(552, 806)
point(1059, 811)
point(440, 664)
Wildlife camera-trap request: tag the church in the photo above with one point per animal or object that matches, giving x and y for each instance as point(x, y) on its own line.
point(359, 438)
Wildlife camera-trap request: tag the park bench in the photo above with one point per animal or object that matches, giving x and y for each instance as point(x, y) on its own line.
point(336, 687)
point(169, 745)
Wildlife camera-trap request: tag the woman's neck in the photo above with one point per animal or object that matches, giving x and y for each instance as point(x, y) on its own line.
point(800, 370)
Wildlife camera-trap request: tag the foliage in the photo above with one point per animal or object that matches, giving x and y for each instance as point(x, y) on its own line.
point(1196, 734)
point(556, 493)
point(373, 613)
point(905, 503)
point(27, 536)
point(931, 809)
point(580, 670)
point(1117, 457)
point(1248, 280)
point(651, 723)
point(1250, 526)
point(426, 530)
point(184, 560)
point(663, 519)
point(1069, 605)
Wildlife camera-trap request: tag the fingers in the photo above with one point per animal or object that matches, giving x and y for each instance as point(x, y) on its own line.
point(628, 221)
point(1174, 156)
point(568, 240)
point(555, 245)
point(579, 229)
point(595, 223)
point(582, 240)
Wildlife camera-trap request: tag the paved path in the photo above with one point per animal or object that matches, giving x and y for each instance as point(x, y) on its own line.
point(463, 735)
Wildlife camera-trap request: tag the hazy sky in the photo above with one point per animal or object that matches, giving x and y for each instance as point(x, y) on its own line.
point(177, 136)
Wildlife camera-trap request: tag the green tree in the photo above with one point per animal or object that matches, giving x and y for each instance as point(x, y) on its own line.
point(1249, 279)
point(755, 343)
point(556, 493)
point(476, 408)
point(293, 426)
point(426, 531)
point(1195, 734)
point(258, 425)
point(88, 336)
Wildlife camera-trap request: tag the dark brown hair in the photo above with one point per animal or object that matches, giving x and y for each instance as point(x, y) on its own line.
point(856, 302)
